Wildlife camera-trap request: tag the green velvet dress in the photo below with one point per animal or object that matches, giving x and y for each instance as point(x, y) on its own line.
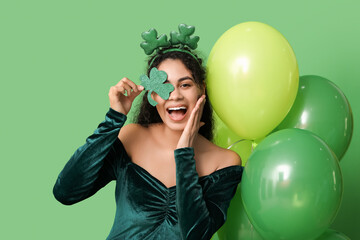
point(145, 208)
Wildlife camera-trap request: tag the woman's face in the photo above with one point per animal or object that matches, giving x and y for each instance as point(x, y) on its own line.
point(176, 111)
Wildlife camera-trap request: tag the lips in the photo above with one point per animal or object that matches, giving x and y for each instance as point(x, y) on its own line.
point(177, 113)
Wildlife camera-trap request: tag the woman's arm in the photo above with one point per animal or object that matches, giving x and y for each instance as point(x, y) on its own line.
point(95, 163)
point(92, 165)
point(201, 213)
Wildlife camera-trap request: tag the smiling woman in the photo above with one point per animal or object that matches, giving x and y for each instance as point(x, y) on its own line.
point(194, 72)
point(172, 182)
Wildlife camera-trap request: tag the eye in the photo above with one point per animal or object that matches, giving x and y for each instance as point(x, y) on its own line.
point(185, 85)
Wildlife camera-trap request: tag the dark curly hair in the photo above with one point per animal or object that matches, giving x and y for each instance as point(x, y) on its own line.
point(147, 114)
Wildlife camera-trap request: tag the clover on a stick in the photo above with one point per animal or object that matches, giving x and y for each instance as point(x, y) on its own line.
point(156, 84)
point(184, 36)
point(152, 41)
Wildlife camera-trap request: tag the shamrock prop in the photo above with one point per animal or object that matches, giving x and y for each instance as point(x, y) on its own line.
point(184, 36)
point(156, 84)
point(152, 41)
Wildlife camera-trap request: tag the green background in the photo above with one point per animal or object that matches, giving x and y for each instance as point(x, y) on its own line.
point(58, 60)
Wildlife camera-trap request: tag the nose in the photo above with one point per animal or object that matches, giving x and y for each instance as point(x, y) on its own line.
point(176, 94)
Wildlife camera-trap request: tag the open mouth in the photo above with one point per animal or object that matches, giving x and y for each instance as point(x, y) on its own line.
point(177, 113)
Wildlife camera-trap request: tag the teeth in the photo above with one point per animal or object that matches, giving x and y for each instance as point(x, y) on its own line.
point(177, 108)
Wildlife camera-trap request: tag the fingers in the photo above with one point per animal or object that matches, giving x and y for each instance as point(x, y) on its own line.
point(193, 124)
point(201, 102)
point(199, 109)
point(123, 94)
point(128, 87)
point(195, 117)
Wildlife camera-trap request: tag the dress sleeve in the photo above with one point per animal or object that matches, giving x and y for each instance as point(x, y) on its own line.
point(94, 164)
point(202, 210)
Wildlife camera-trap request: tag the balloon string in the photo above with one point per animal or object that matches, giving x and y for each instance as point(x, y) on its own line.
point(235, 143)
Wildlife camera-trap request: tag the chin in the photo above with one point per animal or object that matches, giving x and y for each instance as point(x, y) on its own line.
point(178, 127)
point(175, 126)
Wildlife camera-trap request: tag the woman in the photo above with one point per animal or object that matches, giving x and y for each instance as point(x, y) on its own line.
point(171, 181)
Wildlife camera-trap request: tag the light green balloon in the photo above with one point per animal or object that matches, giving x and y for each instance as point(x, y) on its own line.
point(252, 79)
point(292, 186)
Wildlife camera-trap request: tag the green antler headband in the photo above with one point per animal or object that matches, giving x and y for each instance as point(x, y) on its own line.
point(152, 42)
point(177, 39)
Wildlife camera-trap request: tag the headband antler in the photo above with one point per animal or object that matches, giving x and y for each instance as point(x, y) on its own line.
point(152, 41)
point(183, 38)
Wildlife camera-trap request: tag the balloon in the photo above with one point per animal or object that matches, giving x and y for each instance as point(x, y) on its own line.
point(226, 138)
point(252, 79)
point(333, 235)
point(238, 225)
point(292, 186)
point(322, 108)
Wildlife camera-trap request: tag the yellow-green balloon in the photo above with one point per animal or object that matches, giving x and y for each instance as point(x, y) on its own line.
point(252, 79)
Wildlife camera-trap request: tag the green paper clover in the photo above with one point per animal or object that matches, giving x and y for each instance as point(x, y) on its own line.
point(184, 36)
point(152, 41)
point(156, 84)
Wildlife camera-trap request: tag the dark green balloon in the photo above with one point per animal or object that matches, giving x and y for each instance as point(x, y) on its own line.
point(331, 234)
point(322, 108)
point(291, 186)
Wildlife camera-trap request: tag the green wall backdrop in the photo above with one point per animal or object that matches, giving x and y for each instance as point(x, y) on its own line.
point(59, 58)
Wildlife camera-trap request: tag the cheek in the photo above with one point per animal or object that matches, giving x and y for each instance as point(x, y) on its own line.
point(154, 95)
point(200, 92)
point(157, 98)
point(160, 102)
point(158, 109)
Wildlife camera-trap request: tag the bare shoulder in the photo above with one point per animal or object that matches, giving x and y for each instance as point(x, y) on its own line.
point(131, 131)
point(227, 157)
point(220, 156)
point(132, 136)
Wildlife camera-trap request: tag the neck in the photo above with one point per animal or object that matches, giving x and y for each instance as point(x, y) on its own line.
point(172, 136)
point(168, 137)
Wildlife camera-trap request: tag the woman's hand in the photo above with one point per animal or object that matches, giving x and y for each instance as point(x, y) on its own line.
point(122, 95)
point(193, 125)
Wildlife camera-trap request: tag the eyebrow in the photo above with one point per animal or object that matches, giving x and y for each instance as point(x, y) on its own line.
point(185, 78)
point(182, 79)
